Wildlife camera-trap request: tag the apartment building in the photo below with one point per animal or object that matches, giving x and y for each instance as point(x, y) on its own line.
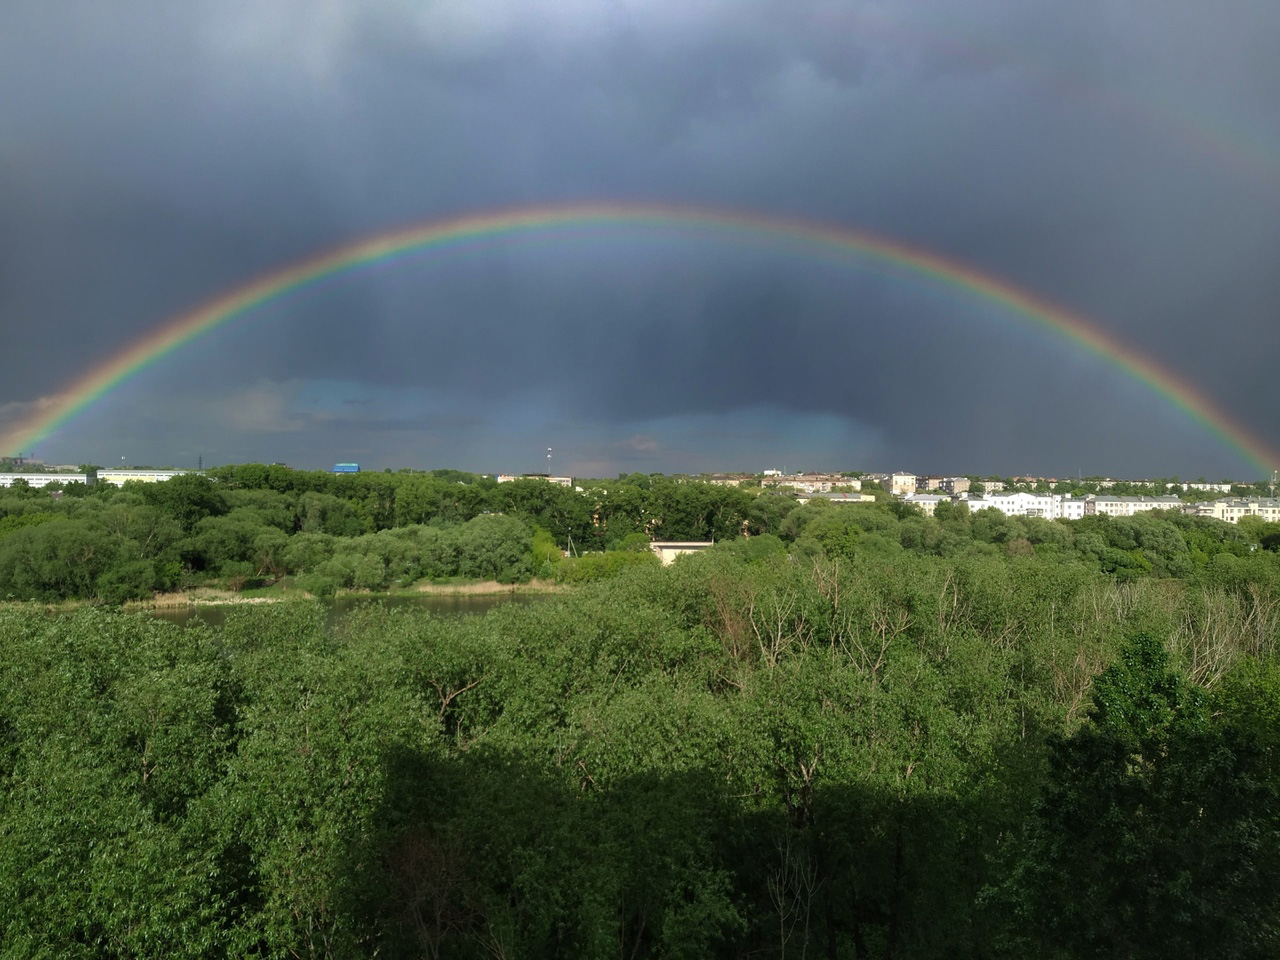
point(900, 484)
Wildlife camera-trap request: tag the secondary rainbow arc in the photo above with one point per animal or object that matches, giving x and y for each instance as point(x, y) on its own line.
point(811, 237)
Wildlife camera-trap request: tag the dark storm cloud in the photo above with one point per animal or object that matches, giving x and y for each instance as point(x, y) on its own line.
point(1125, 167)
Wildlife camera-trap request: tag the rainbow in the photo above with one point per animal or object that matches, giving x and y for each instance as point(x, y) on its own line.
point(808, 238)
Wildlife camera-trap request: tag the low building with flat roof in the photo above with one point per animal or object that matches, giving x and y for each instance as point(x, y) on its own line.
point(927, 502)
point(1117, 506)
point(511, 477)
point(44, 479)
point(836, 497)
point(668, 550)
point(120, 477)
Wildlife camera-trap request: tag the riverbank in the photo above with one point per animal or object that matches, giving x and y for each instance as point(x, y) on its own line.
point(480, 588)
point(218, 597)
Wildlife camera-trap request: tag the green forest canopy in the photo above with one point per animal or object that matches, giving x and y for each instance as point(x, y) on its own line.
point(885, 752)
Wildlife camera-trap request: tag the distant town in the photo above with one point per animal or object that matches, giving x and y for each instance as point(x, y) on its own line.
point(1049, 498)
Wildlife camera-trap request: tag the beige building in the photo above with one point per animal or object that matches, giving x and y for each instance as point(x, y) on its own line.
point(900, 484)
point(812, 482)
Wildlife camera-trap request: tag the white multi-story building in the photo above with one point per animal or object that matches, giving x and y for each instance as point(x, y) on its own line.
point(1068, 508)
point(1016, 504)
point(1047, 506)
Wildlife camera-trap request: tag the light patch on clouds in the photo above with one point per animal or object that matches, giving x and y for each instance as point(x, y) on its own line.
point(643, 443)
point(265, 407)
point(314, 36)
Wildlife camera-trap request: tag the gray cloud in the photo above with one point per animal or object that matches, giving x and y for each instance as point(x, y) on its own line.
point(1122, 166)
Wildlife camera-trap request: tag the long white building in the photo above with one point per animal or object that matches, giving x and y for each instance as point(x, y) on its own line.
point(44, 479)
point(1114, 506)
point(1051, 506)
point(119, 477)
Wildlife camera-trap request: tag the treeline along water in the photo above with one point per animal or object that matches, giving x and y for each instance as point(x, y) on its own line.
point(255, 526)
point(752, 753)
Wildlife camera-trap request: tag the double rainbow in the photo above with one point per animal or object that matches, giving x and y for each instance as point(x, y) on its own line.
point(805, 237)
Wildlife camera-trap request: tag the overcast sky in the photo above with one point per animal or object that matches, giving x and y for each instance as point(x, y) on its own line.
point(1119, 159)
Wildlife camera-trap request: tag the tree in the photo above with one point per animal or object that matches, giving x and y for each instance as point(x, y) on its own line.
point(1156, 834)
point(188, 498)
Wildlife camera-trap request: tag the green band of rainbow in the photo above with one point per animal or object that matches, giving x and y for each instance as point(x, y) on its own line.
point(806, 237)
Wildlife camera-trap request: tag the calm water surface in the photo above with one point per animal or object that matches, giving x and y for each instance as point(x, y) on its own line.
point(340, 607)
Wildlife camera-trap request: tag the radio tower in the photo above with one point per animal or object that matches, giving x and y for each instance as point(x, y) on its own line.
point(548, 461)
